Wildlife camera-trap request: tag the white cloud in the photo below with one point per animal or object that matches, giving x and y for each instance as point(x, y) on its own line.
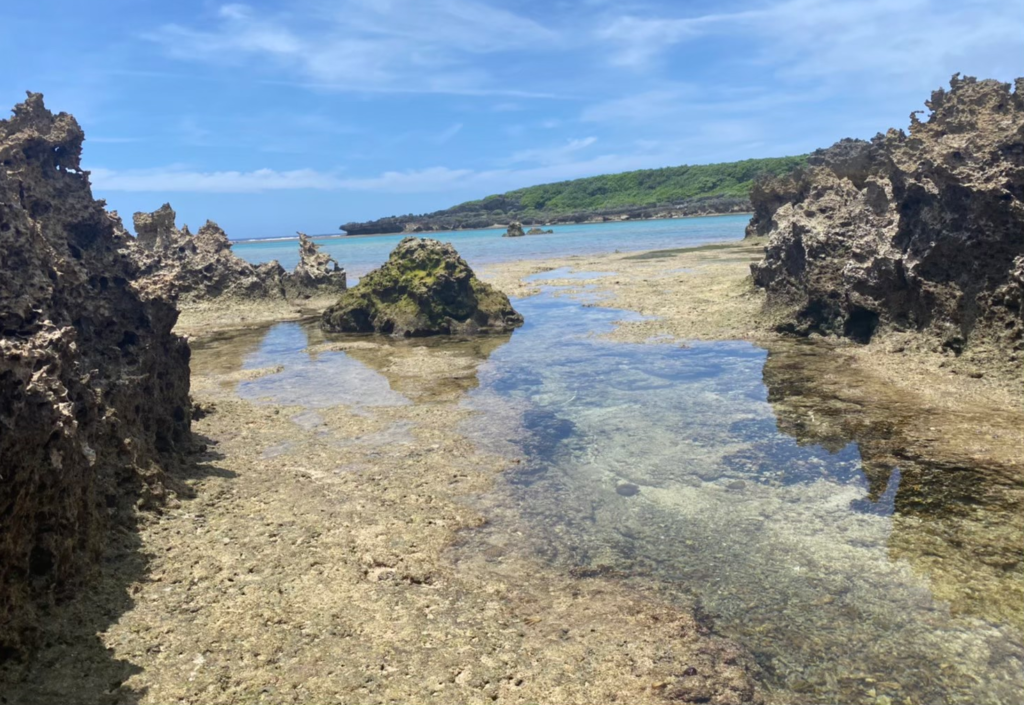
point(432, 180)
point(180, 179)
point(423, 46)
point(553, 155)
point(834, 39)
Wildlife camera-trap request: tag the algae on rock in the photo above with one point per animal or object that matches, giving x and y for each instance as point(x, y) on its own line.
point(424, 288)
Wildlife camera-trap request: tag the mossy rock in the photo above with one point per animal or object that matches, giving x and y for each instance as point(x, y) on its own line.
point(424, 288)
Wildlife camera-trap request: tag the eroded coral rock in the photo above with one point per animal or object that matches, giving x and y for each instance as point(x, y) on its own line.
point(93, 385)
point(424, 288)
point(190, 268)
point(539, 231)
point(515, 229)
point(316, 272)
point(921, 231)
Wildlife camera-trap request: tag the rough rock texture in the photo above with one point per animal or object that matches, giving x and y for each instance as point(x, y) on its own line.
point(93, 385)
point(515, 229)
point(424, 288)
point(919, 232)
point(190, 268)
point(316, 272)
point(539, 231)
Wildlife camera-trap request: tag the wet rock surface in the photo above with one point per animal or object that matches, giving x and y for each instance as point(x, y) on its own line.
point(94, 387)
point(921, 231)
point(424, 288)
point(539, 231)
point(175, 264)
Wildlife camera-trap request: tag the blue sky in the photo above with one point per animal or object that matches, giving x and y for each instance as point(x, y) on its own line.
point(271, 117)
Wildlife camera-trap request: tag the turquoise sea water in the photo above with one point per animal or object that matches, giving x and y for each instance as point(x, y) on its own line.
point(479, 247)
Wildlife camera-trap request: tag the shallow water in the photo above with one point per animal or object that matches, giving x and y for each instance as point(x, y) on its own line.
point(479, 247)
point(854, 567)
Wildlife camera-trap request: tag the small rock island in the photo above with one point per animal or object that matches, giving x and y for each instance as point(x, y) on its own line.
point(424, 288)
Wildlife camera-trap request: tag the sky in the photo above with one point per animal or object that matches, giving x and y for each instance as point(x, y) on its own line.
point(273, 117)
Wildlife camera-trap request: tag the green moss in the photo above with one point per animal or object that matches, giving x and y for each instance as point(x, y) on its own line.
point(424, 288)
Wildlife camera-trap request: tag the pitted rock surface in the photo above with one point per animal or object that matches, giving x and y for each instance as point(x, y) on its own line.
point(94, 387)
point(921, 231)
point(177, 265)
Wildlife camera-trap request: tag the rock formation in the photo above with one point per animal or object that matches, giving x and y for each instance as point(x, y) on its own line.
point(538, 231)
point(191, 268)
point(316, 272)
point(424, 288)
point(919, 232)
point(93, 385)
point(515, 229)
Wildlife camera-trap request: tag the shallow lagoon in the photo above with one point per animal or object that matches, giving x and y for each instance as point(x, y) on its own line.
point(721, 476)
point(480, 247)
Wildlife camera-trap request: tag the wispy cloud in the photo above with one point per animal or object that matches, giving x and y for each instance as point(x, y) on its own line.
point(419, 46)
point(833, 39)
point(183, 180)
point(447, 134)
point(553, 155)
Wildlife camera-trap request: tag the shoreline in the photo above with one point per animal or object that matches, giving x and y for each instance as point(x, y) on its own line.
point(332, 236)
point(330, 554)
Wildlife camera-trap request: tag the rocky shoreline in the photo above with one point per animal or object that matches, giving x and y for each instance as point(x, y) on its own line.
point(167, 540)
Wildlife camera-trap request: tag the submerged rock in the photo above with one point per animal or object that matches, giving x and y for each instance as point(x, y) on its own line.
point(920, 232)
point(93, 385)
point(192, 268)
point(538, 231)
point(515, 229)
point(424, 288)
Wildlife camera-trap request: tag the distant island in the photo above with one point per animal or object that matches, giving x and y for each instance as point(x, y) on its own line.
point(670, 192)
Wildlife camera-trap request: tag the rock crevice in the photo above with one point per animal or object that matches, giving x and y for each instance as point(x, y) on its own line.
point(921, 231)
point(94, 386)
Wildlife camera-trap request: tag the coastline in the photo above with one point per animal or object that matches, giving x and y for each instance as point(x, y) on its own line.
point(334, 236)
point(328, 554)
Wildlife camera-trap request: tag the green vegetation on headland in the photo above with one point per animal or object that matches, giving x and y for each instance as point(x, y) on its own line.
point(648, 193)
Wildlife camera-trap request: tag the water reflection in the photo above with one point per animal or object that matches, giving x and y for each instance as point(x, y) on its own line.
point(305, 367)
point(793, 513)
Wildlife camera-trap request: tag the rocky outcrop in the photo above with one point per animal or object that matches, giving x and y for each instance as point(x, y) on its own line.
point(539, 231)
point(920, 232)
point(94, 386)
point(190, 268)
point(316, 273)
point(515, 229)
point(424, 288)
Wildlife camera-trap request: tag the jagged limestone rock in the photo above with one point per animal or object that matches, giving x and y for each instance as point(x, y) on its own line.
point(539, 231)
point(194, 268)
point(94, 386)
point(316, 273)
point(917, 231)
point(424, 288)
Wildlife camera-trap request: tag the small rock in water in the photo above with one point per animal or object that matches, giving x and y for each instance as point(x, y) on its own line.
point(709, 474)
point(736, 485)
point(628, 489)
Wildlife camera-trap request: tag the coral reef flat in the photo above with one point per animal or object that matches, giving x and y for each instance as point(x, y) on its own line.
point(641, 495)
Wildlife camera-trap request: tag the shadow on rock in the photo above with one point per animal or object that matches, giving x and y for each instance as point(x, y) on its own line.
point(72, 664)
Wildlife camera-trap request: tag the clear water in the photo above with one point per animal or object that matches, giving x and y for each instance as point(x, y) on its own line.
point(725, 477)
point(480, 247)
